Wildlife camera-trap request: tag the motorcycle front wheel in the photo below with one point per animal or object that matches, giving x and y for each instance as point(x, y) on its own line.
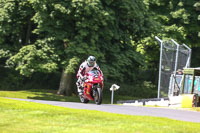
point(98, 96)
point(83, 100)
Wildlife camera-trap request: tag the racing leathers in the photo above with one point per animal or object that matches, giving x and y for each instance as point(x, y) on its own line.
point(83, 69)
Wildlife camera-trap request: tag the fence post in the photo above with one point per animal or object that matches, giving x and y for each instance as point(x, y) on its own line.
point(112, 97)
point(159, 79)
point(113, 88)
point(189, 59)
point(175, 67)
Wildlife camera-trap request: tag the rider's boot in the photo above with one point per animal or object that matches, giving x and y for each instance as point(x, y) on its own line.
point(80, 90)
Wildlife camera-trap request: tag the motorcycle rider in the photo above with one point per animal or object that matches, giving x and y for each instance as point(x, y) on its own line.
point(85, 67)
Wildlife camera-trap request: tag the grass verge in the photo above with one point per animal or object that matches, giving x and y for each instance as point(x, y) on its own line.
point(51, 95)
point(27, 117)
point(38, 94)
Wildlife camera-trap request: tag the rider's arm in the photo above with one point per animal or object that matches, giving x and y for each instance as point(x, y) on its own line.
point(99, 70)
point(81, 71)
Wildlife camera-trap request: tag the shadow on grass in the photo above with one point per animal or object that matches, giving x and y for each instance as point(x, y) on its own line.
point(51, 95)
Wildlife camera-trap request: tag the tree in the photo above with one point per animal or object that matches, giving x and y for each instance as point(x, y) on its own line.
point(176, 20)
point(15, 32)
point(197, 7)
point(66, 32)
point(15, 26)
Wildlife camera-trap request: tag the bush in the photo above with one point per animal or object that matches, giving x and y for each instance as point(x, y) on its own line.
point(9, 79)
point(141, 90)
point(12, 80)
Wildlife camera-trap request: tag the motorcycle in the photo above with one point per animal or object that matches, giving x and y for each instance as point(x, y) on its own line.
point(92, 87)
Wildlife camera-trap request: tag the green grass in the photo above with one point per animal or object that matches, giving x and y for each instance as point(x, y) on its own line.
point(189, 109)
point(51, 95)
point(38, 94)
point(195, 109)
point(28, 117)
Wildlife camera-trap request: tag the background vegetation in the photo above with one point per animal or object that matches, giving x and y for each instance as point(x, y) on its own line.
point(42, 40)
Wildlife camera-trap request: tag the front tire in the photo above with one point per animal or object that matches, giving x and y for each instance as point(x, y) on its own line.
point(83, 100)
point(98, 97)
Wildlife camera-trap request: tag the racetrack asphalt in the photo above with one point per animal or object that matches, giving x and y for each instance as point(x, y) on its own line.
point(177, 114)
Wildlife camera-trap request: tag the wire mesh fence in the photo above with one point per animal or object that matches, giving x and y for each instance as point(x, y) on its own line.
point(167, 66)
point(173, 58)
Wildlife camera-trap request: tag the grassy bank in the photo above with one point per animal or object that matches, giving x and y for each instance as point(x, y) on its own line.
point(51, 95)
point(28, 117)
point(38, 94)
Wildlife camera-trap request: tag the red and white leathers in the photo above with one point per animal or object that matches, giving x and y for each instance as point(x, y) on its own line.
point(83, 69)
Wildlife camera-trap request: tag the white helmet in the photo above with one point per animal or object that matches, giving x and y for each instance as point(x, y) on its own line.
point(91, 61)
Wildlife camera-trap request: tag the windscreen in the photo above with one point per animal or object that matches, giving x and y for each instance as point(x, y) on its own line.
point(94, 73)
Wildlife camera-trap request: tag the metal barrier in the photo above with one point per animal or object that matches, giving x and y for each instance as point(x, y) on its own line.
point(172, 58)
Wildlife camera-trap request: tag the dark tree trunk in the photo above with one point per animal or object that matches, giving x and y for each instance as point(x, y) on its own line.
point(66, 84)
point(28, 33)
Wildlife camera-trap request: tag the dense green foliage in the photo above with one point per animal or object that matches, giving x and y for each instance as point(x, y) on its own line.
point(41, 38)
point(197, 8)
point(178, 19)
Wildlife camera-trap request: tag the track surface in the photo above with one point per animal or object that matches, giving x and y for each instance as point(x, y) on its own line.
point(183, 115)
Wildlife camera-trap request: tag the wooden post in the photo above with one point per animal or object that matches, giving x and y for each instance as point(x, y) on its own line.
point(192, 87)
point(183, 84)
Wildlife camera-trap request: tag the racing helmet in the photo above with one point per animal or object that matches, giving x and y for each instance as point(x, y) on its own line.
point(91, 61)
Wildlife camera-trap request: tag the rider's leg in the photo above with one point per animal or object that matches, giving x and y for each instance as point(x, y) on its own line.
point(79, 85)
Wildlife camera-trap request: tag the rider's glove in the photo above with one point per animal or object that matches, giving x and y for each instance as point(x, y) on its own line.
point(84, 78)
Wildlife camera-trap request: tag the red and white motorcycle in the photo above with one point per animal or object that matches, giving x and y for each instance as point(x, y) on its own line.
point(93, 87)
